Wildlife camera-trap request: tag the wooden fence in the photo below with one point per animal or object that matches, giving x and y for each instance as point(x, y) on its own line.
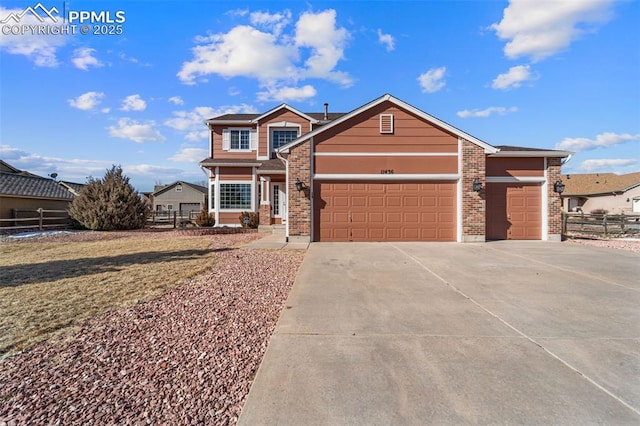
point(600, 225)
point(177, 218)
point(39, 219)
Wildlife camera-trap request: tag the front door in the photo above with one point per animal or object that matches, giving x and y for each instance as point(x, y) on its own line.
point(279, 201)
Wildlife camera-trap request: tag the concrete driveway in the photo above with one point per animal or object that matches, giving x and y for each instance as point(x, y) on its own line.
point(421, 333)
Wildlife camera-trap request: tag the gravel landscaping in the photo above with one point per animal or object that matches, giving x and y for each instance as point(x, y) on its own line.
point(186, 357)
point(629, 244)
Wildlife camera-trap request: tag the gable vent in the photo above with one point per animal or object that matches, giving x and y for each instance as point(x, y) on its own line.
point(386, 123)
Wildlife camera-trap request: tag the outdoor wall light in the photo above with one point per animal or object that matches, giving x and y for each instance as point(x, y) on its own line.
point(558, 187)
point(299, 185)
point(477, 185)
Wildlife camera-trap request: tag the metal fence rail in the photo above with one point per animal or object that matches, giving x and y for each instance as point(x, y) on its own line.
point(39, 219)
point(601, 225)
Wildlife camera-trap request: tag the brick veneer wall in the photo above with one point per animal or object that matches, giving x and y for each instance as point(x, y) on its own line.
point(265, 214)
point(555, 203)
point(473, 203)
point(299, 214)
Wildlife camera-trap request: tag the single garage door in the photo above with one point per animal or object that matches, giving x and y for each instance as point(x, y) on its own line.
point(514, 211)
point(374, 211)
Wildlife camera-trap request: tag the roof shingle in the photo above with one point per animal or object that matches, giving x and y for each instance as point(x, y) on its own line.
point(32, 186)
point(598, 183)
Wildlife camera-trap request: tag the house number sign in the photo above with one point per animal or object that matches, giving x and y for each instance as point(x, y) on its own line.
point(386, 171)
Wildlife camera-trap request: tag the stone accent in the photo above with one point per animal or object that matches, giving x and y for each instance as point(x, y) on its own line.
point(473, 203)
point(265, 214)
point(299, 213)
point(555, 202)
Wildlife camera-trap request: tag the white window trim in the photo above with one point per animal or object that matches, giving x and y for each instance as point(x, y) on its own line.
point(245, 182)
point(282, 125)
point(226, 139)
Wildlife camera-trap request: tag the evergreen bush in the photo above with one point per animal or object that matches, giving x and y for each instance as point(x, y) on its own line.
point(109, 204)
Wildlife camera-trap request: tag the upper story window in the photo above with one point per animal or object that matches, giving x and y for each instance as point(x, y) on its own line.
point(238, 139)
point(281, 137)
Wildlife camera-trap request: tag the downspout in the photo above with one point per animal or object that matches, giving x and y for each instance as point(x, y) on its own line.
point(311, 186)
point(286, 177)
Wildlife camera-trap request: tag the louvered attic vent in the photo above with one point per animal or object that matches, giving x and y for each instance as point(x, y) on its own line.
point(386, 123)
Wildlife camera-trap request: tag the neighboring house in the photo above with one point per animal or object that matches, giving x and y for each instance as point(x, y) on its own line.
point(20, 190)
point(180, 196)
point(385, 171)
point(599, 192)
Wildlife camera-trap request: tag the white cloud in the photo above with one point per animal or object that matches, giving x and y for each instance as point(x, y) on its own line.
point(151, 170)
point(176, 100)
point(68, 169)
point(243, 51)
point(83, 59)
point(318, 31)
point(512, 78)
point(387, 40)
point(486, 112)
point(133, 103)
point(87, 101)
point(275, 22)
point(190, 155)
point(602, 140)
point(542, 29)
point(608, 164)
point(266, 52)
point(136, 131)
point(284, 94)
point(40, 49)
point(192, 122)
point(431, 81)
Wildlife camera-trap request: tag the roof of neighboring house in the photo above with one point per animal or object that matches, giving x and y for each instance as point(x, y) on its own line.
point(20, 185)
point(8, 168)
point(172, 185)
point(598, 183)
point(72, 186)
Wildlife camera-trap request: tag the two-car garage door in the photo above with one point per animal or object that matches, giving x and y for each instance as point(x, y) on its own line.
point(383, 211)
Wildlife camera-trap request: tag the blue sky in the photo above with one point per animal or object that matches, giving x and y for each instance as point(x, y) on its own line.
point(557, 74)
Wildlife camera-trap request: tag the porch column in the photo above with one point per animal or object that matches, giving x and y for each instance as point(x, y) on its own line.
point(265, 204)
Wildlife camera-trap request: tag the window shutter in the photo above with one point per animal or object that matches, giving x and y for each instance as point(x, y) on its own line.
point(226, 140)
point(386, 123)
point(253, 137)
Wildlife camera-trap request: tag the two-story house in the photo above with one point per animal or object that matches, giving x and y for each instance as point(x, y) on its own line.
point(385, 171)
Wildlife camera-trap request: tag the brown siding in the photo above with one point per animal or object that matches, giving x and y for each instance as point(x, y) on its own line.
point(519, 167)
point(276, 117)
point(362, 134)
point(7, 204)
point(219, 153)
point(236, 173)
point(374, 165)
point(229, 218)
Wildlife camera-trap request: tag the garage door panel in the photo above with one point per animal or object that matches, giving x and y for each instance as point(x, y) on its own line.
point(376, 201)
point(514, 211)
point(389, 211)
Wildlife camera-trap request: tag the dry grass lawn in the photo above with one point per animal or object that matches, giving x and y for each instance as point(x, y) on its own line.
point(47, 288)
